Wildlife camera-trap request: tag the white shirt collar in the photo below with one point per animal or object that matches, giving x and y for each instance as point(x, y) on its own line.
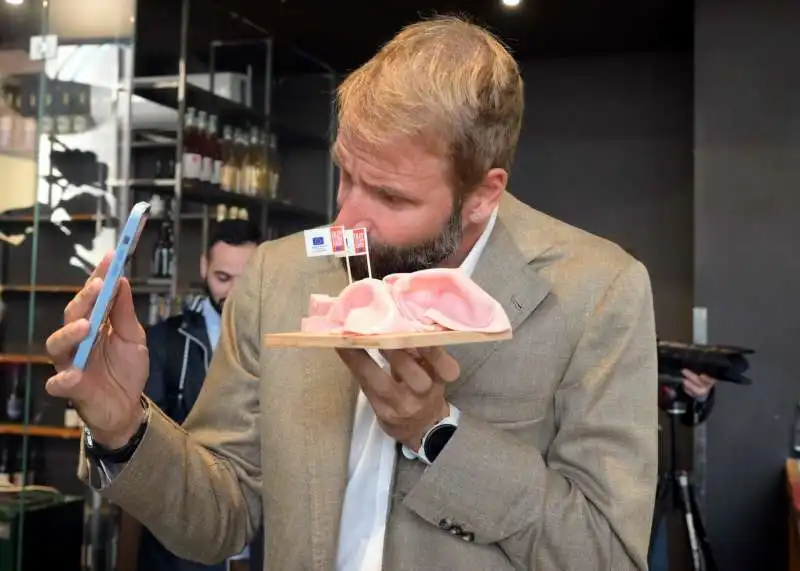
point(471, 261)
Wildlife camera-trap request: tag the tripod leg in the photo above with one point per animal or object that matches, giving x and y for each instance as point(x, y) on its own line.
point(688, 516)
point(702, 557)
point(702, 538)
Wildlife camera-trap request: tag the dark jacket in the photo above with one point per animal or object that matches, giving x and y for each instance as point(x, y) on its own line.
point(180, 353)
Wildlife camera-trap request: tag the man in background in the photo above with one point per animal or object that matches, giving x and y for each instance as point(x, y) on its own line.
point(180, 349)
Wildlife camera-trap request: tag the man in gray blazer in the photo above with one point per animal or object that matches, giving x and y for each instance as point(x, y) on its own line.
point(534, 453)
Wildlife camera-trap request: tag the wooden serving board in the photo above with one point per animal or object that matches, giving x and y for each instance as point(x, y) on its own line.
point(383, 341)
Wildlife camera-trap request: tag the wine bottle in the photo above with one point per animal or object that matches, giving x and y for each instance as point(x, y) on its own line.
point(214, 158)
point(192, 161)
point(164, 251)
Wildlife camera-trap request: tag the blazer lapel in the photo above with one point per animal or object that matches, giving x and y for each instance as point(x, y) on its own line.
point(504, 272)
point(327, 419)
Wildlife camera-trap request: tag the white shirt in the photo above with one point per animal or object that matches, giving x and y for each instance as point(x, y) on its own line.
point(371, 467)
point(212, 319)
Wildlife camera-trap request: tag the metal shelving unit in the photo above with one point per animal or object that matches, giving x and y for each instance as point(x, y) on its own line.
point(179, 94)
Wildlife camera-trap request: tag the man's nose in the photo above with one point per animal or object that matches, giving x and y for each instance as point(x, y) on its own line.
point(350, 214)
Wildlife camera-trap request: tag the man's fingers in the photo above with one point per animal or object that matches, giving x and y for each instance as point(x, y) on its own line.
point(410, 371)
point(690, 375)
point(445, 366)
point(81, 305)
point(62, 385)
point(372, 377)
point(62, 344)
point(101, 269)
point(123, 315)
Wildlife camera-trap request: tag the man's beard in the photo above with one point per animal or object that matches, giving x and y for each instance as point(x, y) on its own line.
point(385, 260)
point(214, 303)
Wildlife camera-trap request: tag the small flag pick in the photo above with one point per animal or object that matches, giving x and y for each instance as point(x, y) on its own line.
point(318, 242)
point(339, 247)
point(359, 244)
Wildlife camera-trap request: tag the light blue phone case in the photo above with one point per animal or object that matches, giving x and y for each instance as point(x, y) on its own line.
point(125, 248)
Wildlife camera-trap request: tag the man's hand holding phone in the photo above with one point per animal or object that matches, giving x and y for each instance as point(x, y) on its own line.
point(107, 393)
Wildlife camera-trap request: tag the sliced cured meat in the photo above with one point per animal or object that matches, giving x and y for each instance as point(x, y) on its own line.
point(447, 297)
point(320, 304)
point(428, 300)
point(365, 307)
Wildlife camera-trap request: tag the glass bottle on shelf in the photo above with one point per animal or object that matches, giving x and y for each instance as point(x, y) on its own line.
point(7, 120)
point(214, 158)
point(63, 119)
point(48, 122)
point(240, 154)
point(191, 149)
point(273, 167)
point(71, 418)
point(28, 123)
point(222, 212)
point(252, 163)
point(228, 169)
point(164, 251)
point(262, 165)
point(202, 146)
point(80, 119)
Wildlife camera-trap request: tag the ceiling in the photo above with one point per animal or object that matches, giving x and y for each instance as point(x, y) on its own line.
point(344, 33)
point(347, 32)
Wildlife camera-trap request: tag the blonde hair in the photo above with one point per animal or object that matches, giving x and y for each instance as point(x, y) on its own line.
point(444, 83)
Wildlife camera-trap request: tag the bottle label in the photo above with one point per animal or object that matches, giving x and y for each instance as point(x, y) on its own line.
point(192, 165)
point(207, 169)
point(216, 172)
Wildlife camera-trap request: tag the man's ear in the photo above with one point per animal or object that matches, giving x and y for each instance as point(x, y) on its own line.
point(484, 199)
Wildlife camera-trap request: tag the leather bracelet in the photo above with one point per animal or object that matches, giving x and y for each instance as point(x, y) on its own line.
point(121, 455)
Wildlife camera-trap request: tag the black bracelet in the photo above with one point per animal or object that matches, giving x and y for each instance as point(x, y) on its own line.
point(120, 455)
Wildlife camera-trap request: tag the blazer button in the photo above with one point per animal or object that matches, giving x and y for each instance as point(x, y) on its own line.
point(456, 530)
point(469, 537)
point(445, 524)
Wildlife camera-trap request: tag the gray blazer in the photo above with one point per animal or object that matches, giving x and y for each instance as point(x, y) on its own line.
point(552, 468)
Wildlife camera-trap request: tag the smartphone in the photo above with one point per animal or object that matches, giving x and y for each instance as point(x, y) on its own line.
point(125, 248)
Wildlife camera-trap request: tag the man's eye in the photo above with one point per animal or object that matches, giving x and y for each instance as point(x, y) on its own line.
point(388, 197)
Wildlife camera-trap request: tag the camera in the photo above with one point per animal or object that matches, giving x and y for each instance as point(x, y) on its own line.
point(722, 362)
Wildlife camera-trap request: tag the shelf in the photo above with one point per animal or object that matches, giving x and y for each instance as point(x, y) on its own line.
point(44, 431)
point(140, 287)
point(165, 92)
point(21, 359)
point(39, 288)
point(201, 193)
point(28, 218)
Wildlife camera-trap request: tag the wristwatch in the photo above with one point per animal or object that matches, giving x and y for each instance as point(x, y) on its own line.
point(437, 437)
point(121, 455)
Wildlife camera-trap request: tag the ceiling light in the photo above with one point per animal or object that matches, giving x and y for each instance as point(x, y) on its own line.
point(15, 2)
point(511, 3)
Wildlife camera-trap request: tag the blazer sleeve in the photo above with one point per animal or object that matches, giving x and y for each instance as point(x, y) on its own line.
point(197, 487)
point(587, 502)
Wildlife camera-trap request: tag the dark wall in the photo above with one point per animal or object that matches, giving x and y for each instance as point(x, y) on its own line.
point(606, 145)
point(747, 105)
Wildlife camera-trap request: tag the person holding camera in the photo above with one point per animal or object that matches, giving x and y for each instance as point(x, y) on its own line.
point(698, 392)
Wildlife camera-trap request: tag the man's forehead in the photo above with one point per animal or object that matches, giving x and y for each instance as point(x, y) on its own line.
point(230, 254)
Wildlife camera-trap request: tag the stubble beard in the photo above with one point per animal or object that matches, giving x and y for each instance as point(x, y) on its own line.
point(385, 260)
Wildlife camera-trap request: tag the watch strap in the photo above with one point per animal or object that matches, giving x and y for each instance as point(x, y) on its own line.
point(121, 455)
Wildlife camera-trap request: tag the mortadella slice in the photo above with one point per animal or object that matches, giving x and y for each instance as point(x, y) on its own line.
point(449, 298)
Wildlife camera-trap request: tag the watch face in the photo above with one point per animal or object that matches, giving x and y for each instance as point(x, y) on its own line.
point(437, 439)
